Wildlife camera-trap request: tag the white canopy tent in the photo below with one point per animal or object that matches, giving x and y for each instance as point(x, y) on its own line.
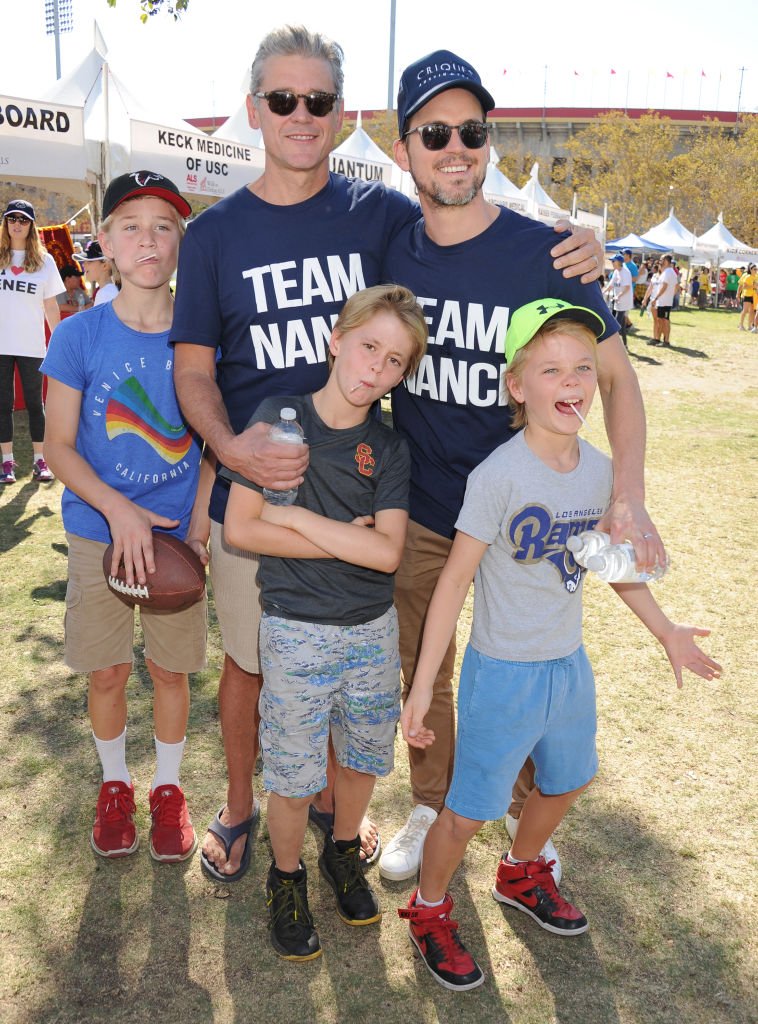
point(499, 189)
point(718, 247)
point(672, 235)
point(120, 134)
point(360, 157)
point(237, 129)
point(540, 205)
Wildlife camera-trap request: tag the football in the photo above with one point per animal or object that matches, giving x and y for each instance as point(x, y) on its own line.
point(177, 583)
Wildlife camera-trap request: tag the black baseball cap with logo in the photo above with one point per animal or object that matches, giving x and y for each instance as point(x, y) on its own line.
point(143, 183)
point(21, 207)
point(431, 75)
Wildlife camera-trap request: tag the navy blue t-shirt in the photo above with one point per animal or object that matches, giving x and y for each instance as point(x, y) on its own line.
point(452, 412)
point(264, 285)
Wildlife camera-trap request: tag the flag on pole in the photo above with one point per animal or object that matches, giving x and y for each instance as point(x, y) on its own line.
point(612, 71)
point(669, 75)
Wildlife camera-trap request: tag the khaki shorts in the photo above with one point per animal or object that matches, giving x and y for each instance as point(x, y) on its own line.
point(99, 627)
point(237, 599)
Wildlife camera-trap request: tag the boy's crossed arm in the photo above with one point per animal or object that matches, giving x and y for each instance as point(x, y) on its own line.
point(293, 532)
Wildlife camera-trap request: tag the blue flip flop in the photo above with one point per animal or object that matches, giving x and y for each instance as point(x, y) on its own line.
point(324, 821)
point(227, 834)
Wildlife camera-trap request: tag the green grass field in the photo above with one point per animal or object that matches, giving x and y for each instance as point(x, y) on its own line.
point(660, 853)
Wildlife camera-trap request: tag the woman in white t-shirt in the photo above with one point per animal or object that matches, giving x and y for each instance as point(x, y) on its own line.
point(29, 283)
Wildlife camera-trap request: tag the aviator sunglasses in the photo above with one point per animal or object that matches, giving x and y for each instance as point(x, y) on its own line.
point(473, 134)
point(283, 102)
point(17, 219)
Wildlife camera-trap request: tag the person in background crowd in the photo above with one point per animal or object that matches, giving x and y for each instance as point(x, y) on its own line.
point(704, 290)
point(666, 291)
point(29, 282)
point(732, 284)
point(98, 273)
point(620, 290)
point(648, 300)
point(694, 286)
point(746, 293)
point(75, 297)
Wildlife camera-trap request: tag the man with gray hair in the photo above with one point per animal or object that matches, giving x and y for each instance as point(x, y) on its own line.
point(262, 277)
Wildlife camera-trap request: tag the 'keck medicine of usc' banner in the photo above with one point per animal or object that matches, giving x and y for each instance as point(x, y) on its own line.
point(41, 140)
point(198, 163)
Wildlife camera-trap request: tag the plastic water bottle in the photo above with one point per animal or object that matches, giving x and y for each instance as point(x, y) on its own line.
point(286, 431)
point(616, 563)
point(583, 545)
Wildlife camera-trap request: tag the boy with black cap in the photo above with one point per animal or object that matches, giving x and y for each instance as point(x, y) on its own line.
point(117, 440)
point(526, 686)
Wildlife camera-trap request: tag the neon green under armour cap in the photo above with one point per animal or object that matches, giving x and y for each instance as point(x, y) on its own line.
point(532, 317)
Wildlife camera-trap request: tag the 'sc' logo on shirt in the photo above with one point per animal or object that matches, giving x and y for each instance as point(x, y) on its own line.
point(365, 459)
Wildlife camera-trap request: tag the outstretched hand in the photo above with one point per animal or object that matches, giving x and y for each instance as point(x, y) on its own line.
point(683, 652)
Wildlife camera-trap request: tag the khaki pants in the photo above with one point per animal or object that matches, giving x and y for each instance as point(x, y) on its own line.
point(432, 769)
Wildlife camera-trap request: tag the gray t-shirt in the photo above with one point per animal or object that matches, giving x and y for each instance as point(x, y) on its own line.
point(354, 472)
point(527, 589)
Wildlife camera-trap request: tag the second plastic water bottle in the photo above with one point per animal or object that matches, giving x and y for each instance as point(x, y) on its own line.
point(589, 542)
point(616, 563)
point(286, 431)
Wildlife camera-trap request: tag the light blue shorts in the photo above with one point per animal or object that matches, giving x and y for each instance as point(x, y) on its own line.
point(317, 680)
point(510, 710)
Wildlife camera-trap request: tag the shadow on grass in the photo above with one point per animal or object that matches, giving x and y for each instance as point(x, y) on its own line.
point(633, 889)
point(17, 526)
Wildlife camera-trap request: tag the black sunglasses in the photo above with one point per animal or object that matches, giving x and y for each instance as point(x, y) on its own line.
point(283, 102)
point(473, 134)
point(17, 220)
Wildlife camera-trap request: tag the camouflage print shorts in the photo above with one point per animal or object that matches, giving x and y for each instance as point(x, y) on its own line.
point(319, 679)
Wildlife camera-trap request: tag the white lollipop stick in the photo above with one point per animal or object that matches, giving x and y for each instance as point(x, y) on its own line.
point(574, 409)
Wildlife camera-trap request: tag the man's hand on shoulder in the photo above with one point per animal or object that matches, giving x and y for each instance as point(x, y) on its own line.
point(267, 463)
point(582, 253)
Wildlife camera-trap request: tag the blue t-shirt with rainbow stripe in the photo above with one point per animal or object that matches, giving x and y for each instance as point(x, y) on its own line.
point(131, 430)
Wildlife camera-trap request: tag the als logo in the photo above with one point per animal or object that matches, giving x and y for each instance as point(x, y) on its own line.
point(365, 459)
point(536, 536)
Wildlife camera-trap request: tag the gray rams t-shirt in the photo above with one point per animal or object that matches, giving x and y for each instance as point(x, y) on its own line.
point(354, 472)
point(528, 588)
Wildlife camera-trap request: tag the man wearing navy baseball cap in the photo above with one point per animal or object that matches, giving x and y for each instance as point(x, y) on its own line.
point(471, 263)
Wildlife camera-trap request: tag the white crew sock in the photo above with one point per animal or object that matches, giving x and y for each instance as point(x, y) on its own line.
point(112, 754)
point(421, 902)
point(8, 456)
point(168, 758)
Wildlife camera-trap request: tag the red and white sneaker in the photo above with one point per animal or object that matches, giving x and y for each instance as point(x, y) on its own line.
point(530, 886)
point(172, 836)
point(436, 938)
point(114, 834)
point(8, 472)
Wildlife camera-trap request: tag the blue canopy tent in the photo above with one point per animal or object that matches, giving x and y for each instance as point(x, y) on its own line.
point(635, 243)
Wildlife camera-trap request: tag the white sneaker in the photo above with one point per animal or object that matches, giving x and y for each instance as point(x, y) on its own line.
point(548, 851)
point(402, 855)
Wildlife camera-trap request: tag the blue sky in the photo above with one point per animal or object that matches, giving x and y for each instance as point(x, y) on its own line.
point(197, 67)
